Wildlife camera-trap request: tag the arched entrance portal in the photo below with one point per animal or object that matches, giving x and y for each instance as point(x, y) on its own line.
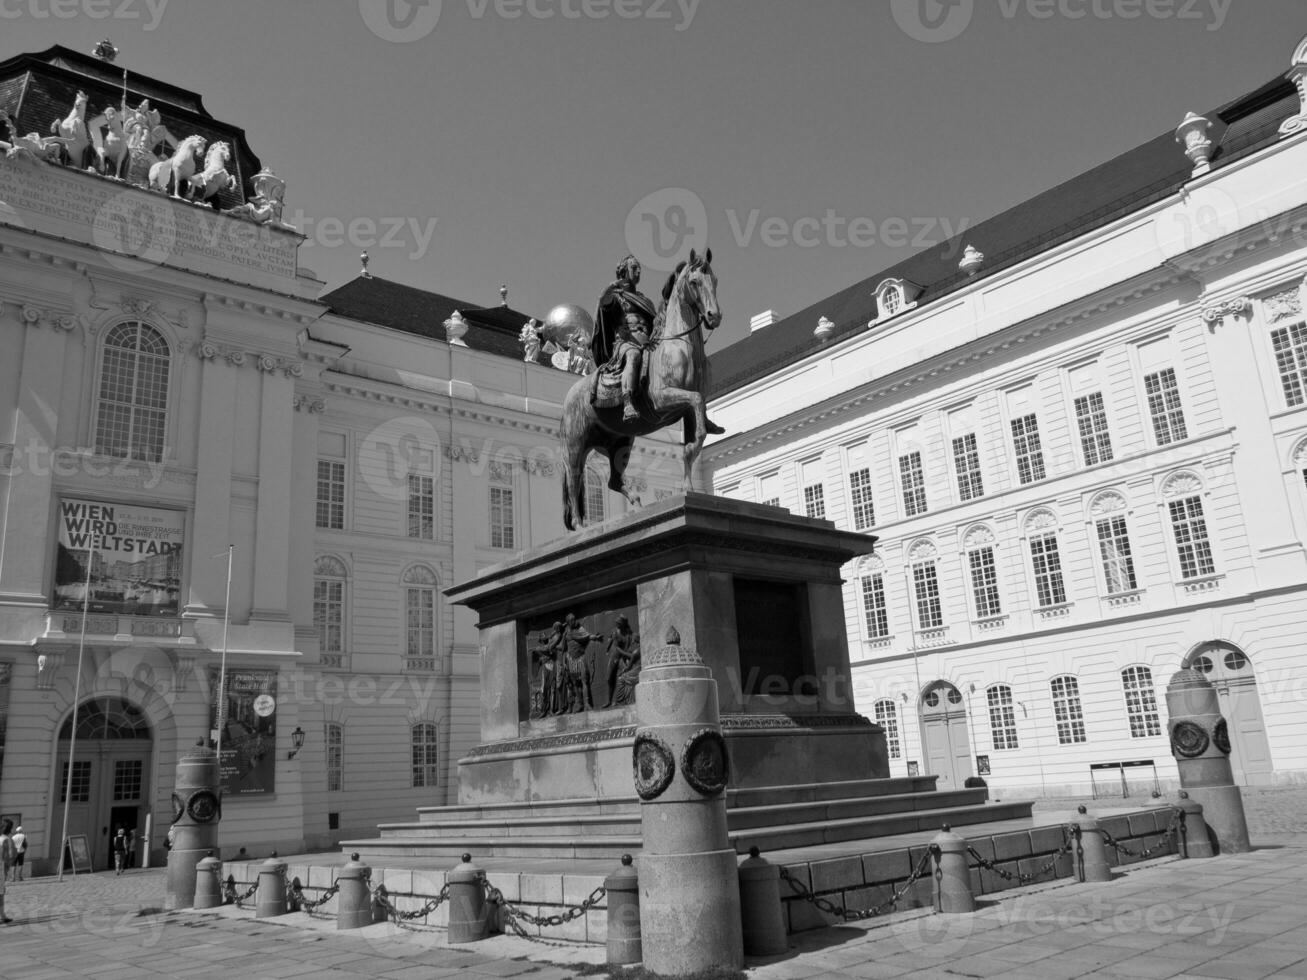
point(1231, 673)
point(944, 735)
point(111, 776)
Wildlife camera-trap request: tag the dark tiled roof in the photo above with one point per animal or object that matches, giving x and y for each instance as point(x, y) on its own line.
point(1130, 182)
point(406, 308)
point(36, 89)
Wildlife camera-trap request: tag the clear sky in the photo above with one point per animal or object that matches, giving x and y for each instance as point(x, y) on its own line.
point(813, 143)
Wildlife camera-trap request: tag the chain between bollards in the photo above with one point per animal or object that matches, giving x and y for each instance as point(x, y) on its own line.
point(229, 896)
point(1177, 817)
point(853, 915)
point(296, 892)
point(402, 919)
point(513, 916)
point(1068, 835)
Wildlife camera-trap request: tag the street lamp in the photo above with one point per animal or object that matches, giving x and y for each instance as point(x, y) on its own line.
point(296, 740)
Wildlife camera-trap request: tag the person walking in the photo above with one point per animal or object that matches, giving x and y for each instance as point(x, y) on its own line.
point(7, 859)
point(119, 851)
point(20, 851)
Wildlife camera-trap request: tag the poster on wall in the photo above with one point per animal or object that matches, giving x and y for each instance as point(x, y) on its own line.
point(249, 734)
point(135, 554)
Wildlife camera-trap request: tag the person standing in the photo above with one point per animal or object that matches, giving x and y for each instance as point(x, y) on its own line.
point(20, 851)
point(119, 851)
point(7, 859)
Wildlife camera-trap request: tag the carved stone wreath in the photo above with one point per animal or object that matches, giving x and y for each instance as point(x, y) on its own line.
point(1221, 736)
point(178, 807)
point(1188, 739)
point(654, 766)
point(203, 806)
point(704, 763)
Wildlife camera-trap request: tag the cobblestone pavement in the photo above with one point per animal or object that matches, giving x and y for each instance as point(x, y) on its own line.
point(1235, 917)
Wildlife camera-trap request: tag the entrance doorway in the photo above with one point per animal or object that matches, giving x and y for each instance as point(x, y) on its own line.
point(944, 735)
point(111, 777)
point(1231, 673)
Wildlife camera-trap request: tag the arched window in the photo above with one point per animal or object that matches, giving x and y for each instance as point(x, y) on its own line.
point(1140, 702)
point(425, 772)
point(329, 609)
point(111, 718)
point(1066, 710)
point(1002, 719)
point(420, 617)
point(334, 738)
point(594, 495)
point(888, 719)
point(133, 393)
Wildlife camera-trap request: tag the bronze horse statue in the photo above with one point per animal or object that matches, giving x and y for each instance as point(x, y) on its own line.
point(677, 390)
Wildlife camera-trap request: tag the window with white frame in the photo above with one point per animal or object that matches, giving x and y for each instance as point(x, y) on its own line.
point(133, 393)
point(420, 613)
point(503, 528)
point(421, 507)
point(1002, 718)
point(1091, 419)
point(1140, 702)
point(329, 605)
point(984, 582)
point(769, 489)
point(874, 611)
point(914, 484)
point(1193, 547)
point(334, 739)
point(1066, 710)
point(1164, 406)
point(594, 495)
point(1290, 346)
point(423, 741)
point(925, 587)
point(814, 492)
point(864, 509)
point(1047, 563)
point(331, 494)
point(966, 461)
point(1026, 446)
point(1114, 550)
point(887, 717)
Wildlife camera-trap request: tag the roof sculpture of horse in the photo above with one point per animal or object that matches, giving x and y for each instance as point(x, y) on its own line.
point(677, 369)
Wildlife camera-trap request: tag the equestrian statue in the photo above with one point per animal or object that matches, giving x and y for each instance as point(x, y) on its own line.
point(651, 372)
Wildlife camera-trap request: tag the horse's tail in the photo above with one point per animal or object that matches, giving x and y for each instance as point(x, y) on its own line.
point(572, 434)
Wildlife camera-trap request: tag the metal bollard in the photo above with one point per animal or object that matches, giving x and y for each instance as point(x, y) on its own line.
point(623, 887)
point(1195, 840)
point(467, 902)
point(761, 913)
point(953, 877)
point(272, 889)
point(208, 882)
point(1092, 850)
point(354, 899)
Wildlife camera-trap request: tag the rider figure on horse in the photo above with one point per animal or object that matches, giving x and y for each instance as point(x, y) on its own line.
point(623, 332)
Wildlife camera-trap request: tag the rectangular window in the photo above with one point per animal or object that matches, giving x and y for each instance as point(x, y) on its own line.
point(335, 739)
point(769, 489)
point(966, 460)
point(874, 611)
point(1191, 542)
point(329, 614)
point(1067, 711)
point(1114, 549)
point(1164, 406)
point(1141, 702)
point(81, 782)
point(1002, 719)
point(887, 717)
point(420, 607)
point(984, 583)
point(925, 586)
point(127, 774)
point(501, 518)
point(1025, 443)
point(914, 484)
point(864, 510)
point(814, 492)
point(1091, 418)
point(1290, 345)
point(1049, 589)
point(421, 507)
point(331, 494)
point(594, 496)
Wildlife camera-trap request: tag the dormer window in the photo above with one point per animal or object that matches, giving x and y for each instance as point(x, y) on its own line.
point(894, 296)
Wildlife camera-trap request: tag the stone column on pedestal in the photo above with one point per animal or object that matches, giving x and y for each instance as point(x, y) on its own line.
point(689, 883)
point(1200, 742)
point(197, 808)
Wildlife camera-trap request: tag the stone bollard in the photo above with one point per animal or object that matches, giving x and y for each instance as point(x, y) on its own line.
point(761, 915)
point(1200, 742)
point(1091, 851)
point(354, 899)
point(208, 882)
point(623, 888)
point(197, 807)
point(467, 902)
point(953, 882)
point(271, 894)
point(1195, 841)
point(689, 880)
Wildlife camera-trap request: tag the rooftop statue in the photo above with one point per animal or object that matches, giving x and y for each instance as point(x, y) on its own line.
point(266, 205)
point(73, 128)
point(31, 146)
point(177, 169)
point(653, 372)
point(530, 340)
point(214, 177)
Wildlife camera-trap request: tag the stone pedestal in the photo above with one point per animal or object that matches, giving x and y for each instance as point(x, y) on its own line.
point(197, 807)
point(756, 591)
point(1200, 742)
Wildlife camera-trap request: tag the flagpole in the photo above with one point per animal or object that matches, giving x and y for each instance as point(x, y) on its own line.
point(77, 695)
point(222, 664)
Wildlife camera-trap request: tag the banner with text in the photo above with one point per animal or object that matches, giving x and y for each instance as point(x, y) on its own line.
point(135, 554)
point(249, 731)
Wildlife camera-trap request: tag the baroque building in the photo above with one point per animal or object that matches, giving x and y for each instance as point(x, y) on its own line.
point(1080, 433)
point(237, 476)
